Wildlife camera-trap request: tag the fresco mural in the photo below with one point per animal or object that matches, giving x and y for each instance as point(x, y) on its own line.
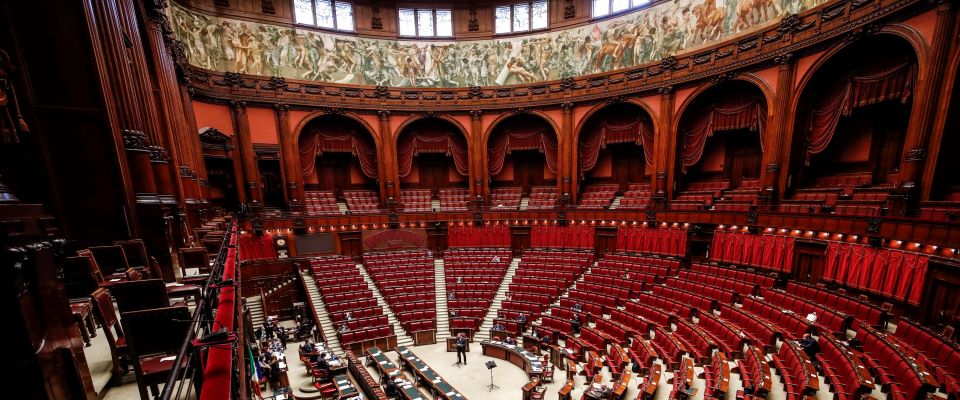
point(227, 45)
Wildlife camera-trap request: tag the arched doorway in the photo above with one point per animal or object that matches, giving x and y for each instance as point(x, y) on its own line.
point(720, 148)
point(433, 165)
point(852, 118)
point(522, 160)
point(338, 160)
point(614, 150)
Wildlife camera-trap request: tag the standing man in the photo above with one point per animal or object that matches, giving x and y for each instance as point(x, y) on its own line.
point(461, 348)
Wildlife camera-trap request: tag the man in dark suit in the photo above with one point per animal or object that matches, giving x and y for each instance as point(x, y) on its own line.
point(462, 348)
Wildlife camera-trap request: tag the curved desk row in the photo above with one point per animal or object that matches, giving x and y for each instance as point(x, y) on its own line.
point(427, 376)
point(516, 355)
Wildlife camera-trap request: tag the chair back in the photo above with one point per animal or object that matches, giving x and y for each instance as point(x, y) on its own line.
point(110, 258)
point(140, 295)
point(194, 257)
point(94, 267)
point(79, 278)
point(106, 315)
point(155, 270)
point(135, 252)
point(156, 331)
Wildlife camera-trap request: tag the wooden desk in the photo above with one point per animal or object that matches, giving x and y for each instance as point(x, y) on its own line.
point(648, 389)
point(452, 344)
point(529, 387)
point(620, 388)
point(345, 388)
point(516, 355)
point(564, 392)
point(571, 369)
point(427, 376)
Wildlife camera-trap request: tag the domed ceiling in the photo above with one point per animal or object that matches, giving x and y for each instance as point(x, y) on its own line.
point(668, 28)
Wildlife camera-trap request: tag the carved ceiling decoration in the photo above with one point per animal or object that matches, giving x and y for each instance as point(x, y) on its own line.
point(798, 33)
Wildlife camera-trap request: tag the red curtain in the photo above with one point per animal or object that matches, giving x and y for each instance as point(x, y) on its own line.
point(346, 141)
point(569, 237)
point(765, 251)
point(666, 241)
point(252, 247)
point(892, 83)
point(478, 236)
point(736, 114)
point(638, 131)
point(445, 142)
point(537, 138)
point(892, 273)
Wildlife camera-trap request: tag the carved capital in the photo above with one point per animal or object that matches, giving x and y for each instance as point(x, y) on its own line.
point(668, 63)
point(474, 91)
point(752, 217)
point(281, 108)
point(784, 60)
point(232, 79)
point(567, 83)
point(773, 167)
point(186, 172)
point(134, 140)
point(789, 24)
point(476, 114)
point(158, 154)
point(381, 91)
point(383, 114)
point(665, 89)
point(276, 82)
point(651, 215)
point(238, 105)
point(567, 107)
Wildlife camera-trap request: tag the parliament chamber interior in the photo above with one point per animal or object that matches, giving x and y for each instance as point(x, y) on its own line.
point(485, 199)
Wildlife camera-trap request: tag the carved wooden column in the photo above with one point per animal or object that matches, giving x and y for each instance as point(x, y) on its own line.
point(924, 109)
point(567, 171)
point(251, 176)
point(664, 153)
point(477, 151)
point(386, 154)
point(289, 158)
point(779, 132)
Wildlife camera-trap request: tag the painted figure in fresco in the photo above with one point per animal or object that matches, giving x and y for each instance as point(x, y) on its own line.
point(516, 67)
point(709, 21)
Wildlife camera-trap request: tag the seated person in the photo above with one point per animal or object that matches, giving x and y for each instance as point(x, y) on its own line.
point(575, 324)
point(809, 345)
point(545, 339)
point(522, 318)
point(451, 296)
point(495, 259)
point(390, 389)
point(577, 307)
point(499, 327)
point(343, 328)
point(511, 340)
point(453, 313)
point(321, 361)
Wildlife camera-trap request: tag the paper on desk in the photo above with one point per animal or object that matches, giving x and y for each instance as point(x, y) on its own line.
point(172, 284)
point(170, 358)
point(115, 280)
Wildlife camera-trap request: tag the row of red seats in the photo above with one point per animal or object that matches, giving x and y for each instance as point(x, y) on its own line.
point(347, 297)
point(797, 372)
point(860, 310)
point(606, 286)
point(698, 343)
point(858, 210)
point(791, 326)
point(320, 203)
point(464, 323)
point(532, 286)
point(842, 180)
point(594, 339)
point(343, 287)
point(755, 372)
point(595, 311)
point(363, 323)
point(614, 329)
point(417, 315)
point(350, 337)
point(940, 211)
point(401, 308)
point(505, 198)
point(557, 328)
point(627, 288)
point(670, 306)
point(717, 377)
point(843, 369)
point(937, 352)
point(732, 207)
point(642, 352)
point(610, 270)
point(761, 280)
point(670, 349)
point(894, 368)
point(708, 185)
point(363, 312)
point(646, 313)
point(827, 319)
point(721, 295)
point(726, 335)
point(700, 198)
point(474, 287)
point(758, 331)
point(731, 284)
point(698, 301)
point(607, 301)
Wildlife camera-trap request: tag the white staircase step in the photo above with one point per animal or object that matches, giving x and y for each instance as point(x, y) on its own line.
point(320, 308)
point(440, 292)
point(483, 332)
point(524, 203)
point(616, 202)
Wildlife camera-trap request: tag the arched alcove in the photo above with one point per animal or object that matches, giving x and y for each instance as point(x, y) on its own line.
point(433, 161)
point(338, 159)
point(522, 158)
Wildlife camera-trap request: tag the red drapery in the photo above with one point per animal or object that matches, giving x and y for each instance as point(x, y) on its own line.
point(736, 114)
point(887, 272)
point(537, 138)
point(568, 237)
point(478, 236)
point(857, 91)
point(445, 142)
point(347, 141)
point(764, 251)
point(637, 131)
point(666, 241)
point(256, 248)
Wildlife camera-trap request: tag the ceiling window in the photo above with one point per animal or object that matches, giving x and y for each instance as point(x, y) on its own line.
point(520, 17)
point(602, 8)
point(330, 14)
point(425, 22)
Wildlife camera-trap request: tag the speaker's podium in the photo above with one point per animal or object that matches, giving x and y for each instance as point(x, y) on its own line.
point(452, 344)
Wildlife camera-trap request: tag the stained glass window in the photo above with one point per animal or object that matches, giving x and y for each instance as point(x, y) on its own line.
point(444, 23)
point(603, 8)
point(502, 19)
point(344, 16)
point(303, 11)
point(538, 15)
point(324, 13)
point(520, 17)
point(425, 22)
point(408, 22)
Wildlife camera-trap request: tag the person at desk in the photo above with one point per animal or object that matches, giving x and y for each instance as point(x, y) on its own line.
point(451, 296)
point(274, 372)
point(575, 324)
point(809, 346)
point(322, 363)
point(307, 347)
point(343, 328)
point(511, 341)
point(267, 330)
point(522, 319)
point(499, 327)
point(462, 348)
point(545, 339)
point(390, 389)
point(577, 307)
point(348, 316)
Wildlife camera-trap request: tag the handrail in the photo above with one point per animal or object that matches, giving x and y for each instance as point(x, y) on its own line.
point(201, 324)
